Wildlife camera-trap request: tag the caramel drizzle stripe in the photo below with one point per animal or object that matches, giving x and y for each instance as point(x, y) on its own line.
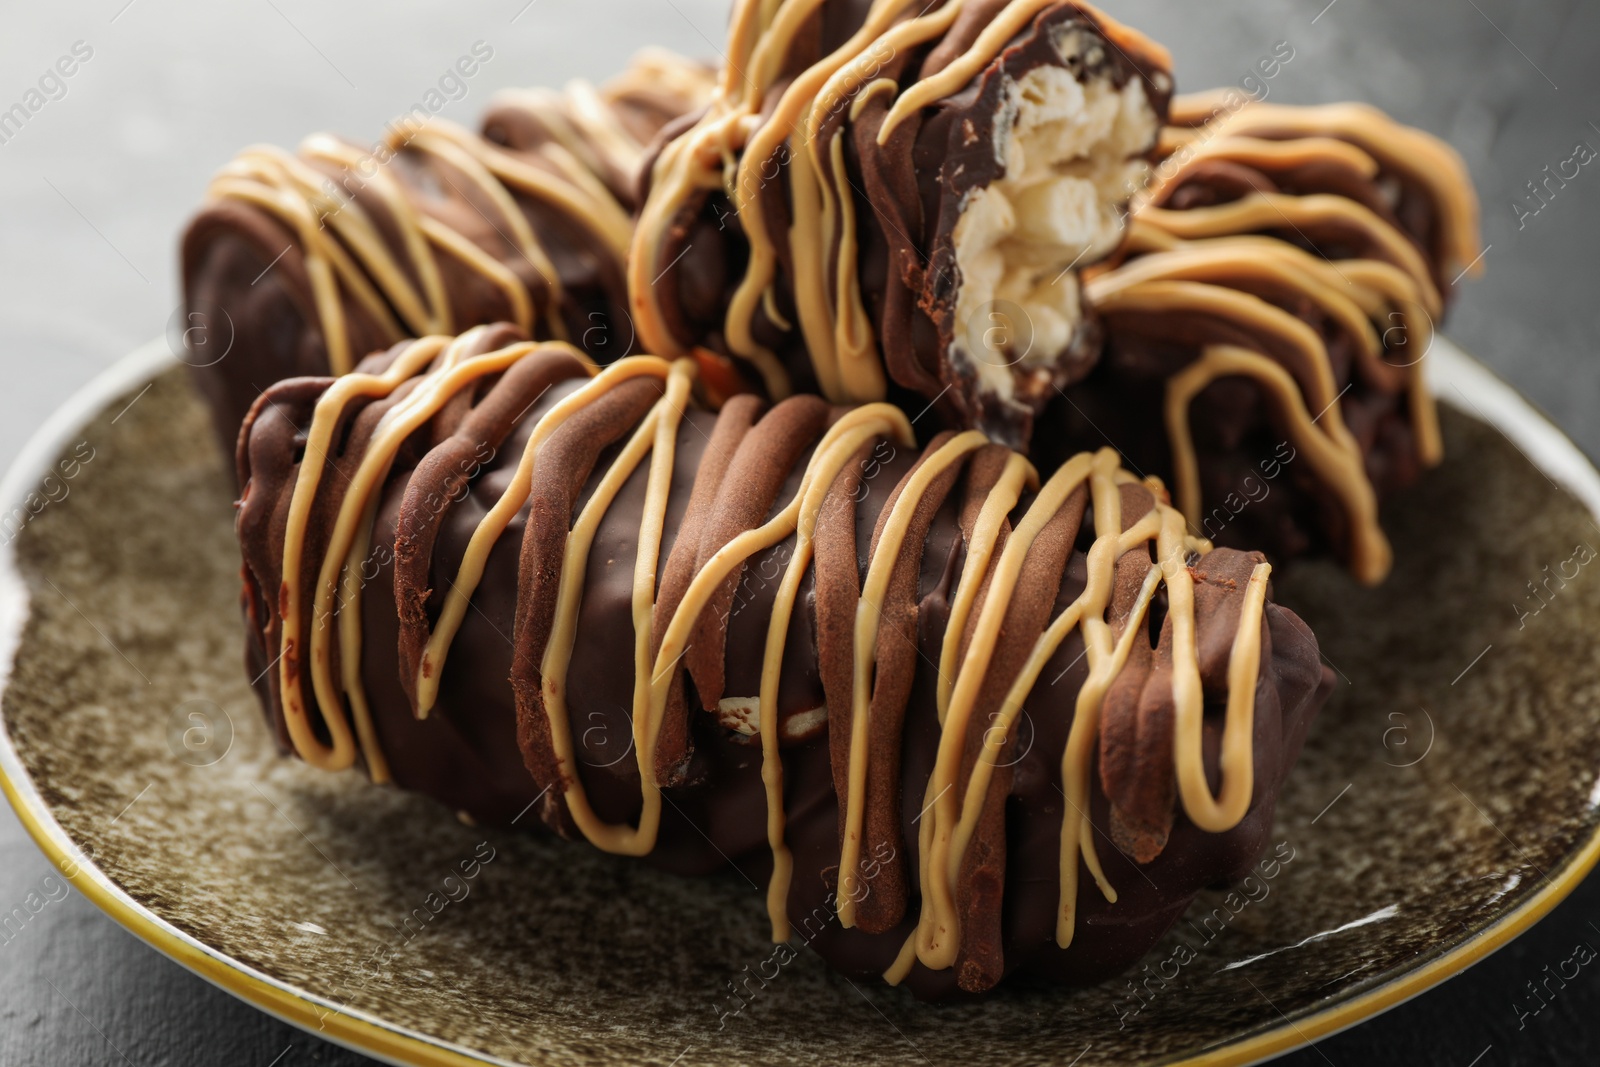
point(861, 372)
point(584, 119)
point(835, 456)
point(1382, 291)
point(341, 753)
point(695, 161)
point(1002, 500)
point(1174, 138)
point(430, 666)
point(869, 612)
point(270, 179)
point(1107, 653)
point(306, 199)
point(1090, 606)
point(434, 318)
point(350, 643)
point(1010, 22)
point(831, 309)
point(818, 203)
point(654, 69)
point(582, 196)
point(1261, 153)
point(938, 932)
point(1246, 309)
point(653, 680)
point(839, 336)
point(773, 132)
point(352, 529)
point(944, 843)
point(837, 447)
point(1143, 236)
point(581, 121)
point(1218, 262)
point(687, 165)
point(749, 20)
point(521, 237)
point(618, 220)
point(949, 830)
point(1190, 112)
point(1379, 285)
point(1274, 211)
point(1220, 813)
point(602, 132)
point(1418, 155)
point(660, 426)
point(550, 110)
point(1335, 458)
point(657, 434)
point(500, 276)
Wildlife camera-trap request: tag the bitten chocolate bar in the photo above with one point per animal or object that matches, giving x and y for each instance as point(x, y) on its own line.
point(895, 201)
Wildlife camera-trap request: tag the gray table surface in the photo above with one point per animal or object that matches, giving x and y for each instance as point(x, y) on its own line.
point(94, 189)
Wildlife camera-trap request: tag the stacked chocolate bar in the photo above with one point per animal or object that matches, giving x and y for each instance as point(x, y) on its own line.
point(845, 581)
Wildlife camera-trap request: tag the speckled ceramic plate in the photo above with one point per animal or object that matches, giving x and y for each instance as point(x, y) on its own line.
point(1446, 800)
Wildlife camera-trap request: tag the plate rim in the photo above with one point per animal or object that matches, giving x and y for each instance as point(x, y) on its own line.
point(1488, 398)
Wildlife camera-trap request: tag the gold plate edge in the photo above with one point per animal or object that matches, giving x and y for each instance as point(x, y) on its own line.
point(1450, 371)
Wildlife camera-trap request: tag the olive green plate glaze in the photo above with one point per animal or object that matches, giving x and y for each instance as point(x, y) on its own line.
point(1446, 799)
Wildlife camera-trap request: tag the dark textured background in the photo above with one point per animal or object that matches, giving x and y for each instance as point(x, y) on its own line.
point(95, 187)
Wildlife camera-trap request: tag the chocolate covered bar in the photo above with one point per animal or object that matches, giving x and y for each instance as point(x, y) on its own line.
point(893, 200)
point(1268, 319)
point(966, 718)
point(609, 128)
point(302, 263)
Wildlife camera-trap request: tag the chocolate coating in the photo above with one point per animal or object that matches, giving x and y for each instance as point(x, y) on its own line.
point(475, 753)
point(906, 197)
point(1272, 196)
point(610, 128)
point(248, 289)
